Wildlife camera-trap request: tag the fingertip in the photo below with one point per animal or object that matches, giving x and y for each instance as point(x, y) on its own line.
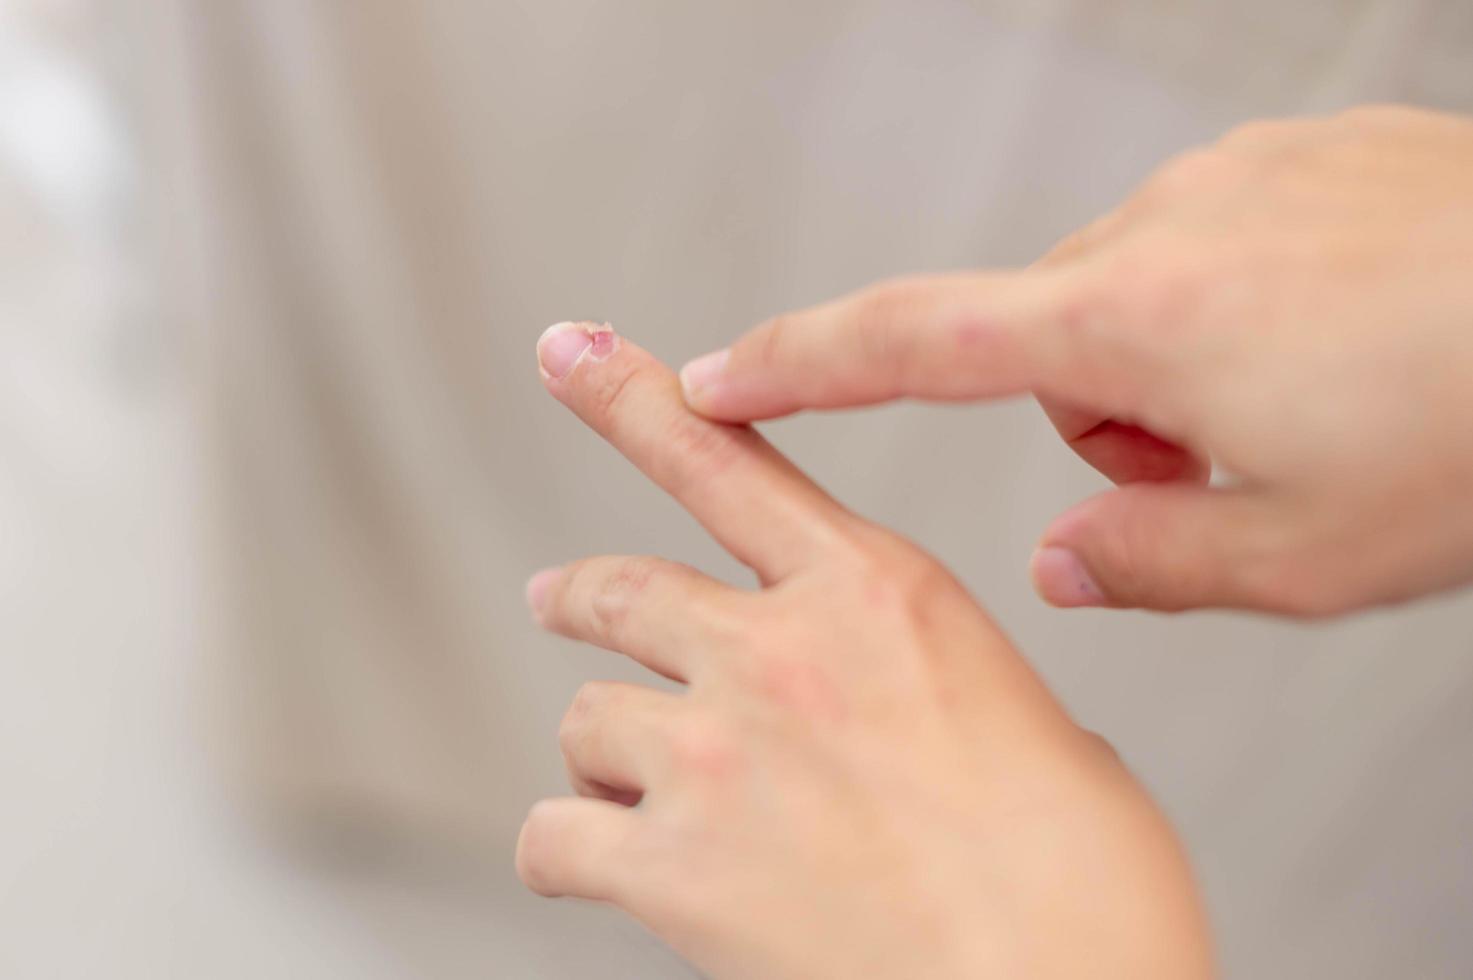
point(538, 587)
point(700, 379)
point(1061, 579)
point(570, 847)
point(713, 390)
point(531, 857)
point(563, 346)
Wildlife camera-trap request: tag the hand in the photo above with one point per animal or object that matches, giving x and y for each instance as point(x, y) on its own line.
point(1294, 304)
point(860, 776)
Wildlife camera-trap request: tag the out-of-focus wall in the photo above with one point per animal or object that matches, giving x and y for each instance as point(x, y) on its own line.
point(364, 214)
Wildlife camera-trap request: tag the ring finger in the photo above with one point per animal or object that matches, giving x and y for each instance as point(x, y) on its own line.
point(659, 613)
point(615, 738)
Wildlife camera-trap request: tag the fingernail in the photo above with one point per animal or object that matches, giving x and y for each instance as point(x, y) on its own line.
point(700, 373)
point(1061, 578)
point(537, 587)
point(560, 347)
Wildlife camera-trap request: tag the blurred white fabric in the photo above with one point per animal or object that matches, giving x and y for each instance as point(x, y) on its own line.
point(274, 461)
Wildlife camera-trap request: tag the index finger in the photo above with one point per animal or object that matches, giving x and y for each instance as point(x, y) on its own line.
point(948, 337)
point(756, 504)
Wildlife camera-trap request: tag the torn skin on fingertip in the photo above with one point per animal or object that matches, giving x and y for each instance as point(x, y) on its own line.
point(563, 345)
point(605, 342)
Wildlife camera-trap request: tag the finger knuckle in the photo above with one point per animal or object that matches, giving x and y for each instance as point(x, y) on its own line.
point(1102, 338)
point(588, 704)
point(619, 591)
point(879, 311)
point(704, 749)
point(701, 451)
point(1163, 286)
point(906, 589)
point(892, 578)
point(697, 453)
point(1131, 568)
point(853, 544)
point(802, 686)
point(1094, 302)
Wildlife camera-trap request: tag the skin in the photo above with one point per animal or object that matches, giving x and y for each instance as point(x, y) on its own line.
point(858, 775)
point(1293, 304)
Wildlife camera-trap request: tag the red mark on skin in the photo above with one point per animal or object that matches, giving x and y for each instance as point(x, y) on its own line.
point(976, 333)
point(984, 364)
point(605, 342)
point(802, 688)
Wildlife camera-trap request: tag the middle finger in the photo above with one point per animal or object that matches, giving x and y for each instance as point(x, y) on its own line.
point(759, 506)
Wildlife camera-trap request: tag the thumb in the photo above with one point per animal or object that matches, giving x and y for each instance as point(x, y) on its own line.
point(952, 337)
point(1167, 547)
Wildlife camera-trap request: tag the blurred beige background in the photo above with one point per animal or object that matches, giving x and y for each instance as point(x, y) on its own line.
point(275, 462)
